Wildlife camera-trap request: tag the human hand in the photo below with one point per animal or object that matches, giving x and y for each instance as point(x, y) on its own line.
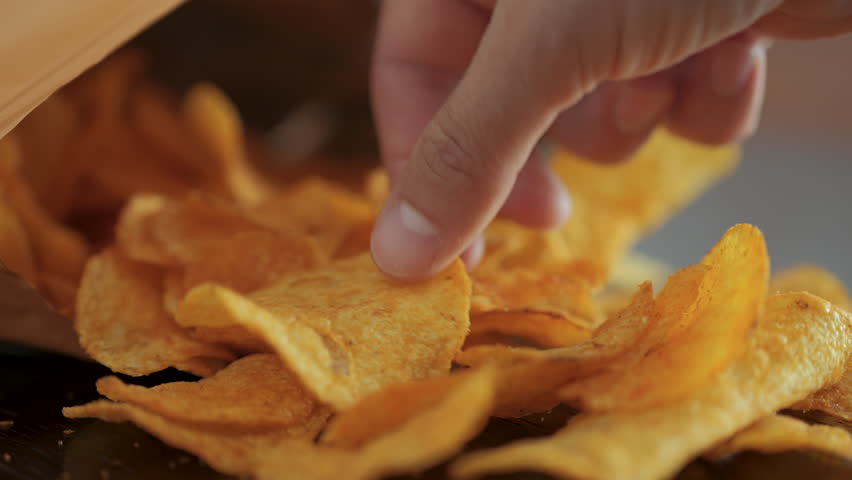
point(464, 89)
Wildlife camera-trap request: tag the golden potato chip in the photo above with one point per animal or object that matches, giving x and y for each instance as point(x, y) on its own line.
point(544, 329)
point(430, 436)
point(812, 279)
point(613, 204)
point(170, 233)
point(160, 124)
point(609, 340)
point(235, 338)
point(325, 211)
point(509, 246)
point(385, 410)
point(835, 399)
point(529, 378)
point(255, 393)
point(230, 451)
point(728, 303)
point(248, 261)
point(427, 436)
point(796, 349)
point(561, 292)
point(122, 323)
point(779, 433)
point(347, 329)
point(15, 250)
point(216, 123)
point(56, 249)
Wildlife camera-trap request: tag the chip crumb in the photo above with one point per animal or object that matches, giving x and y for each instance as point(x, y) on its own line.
point(135, 444)
point(67, 431)
point(7, 457)
point(6, 424)
point(60, 443)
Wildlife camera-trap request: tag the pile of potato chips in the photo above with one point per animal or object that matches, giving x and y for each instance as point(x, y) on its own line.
point(314, 365)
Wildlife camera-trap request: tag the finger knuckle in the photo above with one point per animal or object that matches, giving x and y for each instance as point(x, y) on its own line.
point(447, 158)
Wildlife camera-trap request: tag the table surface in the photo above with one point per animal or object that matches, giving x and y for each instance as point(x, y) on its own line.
point(41, 444)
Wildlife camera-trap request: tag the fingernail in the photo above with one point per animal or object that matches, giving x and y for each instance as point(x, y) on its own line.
point(638, 109)
point(732, 67)
point(404, 241)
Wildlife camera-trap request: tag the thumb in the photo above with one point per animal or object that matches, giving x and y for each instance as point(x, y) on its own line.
point(535, 59)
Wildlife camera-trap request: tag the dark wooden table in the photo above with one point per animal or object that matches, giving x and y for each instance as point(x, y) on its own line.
point(41, 444)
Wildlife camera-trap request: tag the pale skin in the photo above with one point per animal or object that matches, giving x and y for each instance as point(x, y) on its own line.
point(464, 90)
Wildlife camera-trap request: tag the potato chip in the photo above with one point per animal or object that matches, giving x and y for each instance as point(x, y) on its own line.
point(56, 249)
point(796, 349)
point(546, 330)
point(420, 438)
point(216, 123)
point(562, 292)
point(122, 323)
point(346, 329)
point(171, 233)
point(729, 302)
point(324, 211)
point(613, 204)
point(249, 261)
point(230, 451)
point(430, 436)
point(255, 393)
point(812, 279)
point(779, 433)
point(386, 410)
point(15, 250)
point(835, 399)
point(509, 245)
point(529, 378)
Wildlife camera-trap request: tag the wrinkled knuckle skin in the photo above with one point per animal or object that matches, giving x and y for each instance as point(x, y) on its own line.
point(446, 160)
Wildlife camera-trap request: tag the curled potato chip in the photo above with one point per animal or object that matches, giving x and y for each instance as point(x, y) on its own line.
point(430, 435)
point(812, 279)
point(324, 211)
point(248, 261)
point(562, 292)
point(835, 399)
point(509, 246)
point(779, 433)
point(215, 121)
point(546, 330)
point(716, 323)
point(346, 329)
point(230, 451)
point(613, 204)
point(122, 324)
point(421, 437)
point(164, 232)
point(528, 378)
point(385, 410)
point(796, 349)
point(255, 393)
